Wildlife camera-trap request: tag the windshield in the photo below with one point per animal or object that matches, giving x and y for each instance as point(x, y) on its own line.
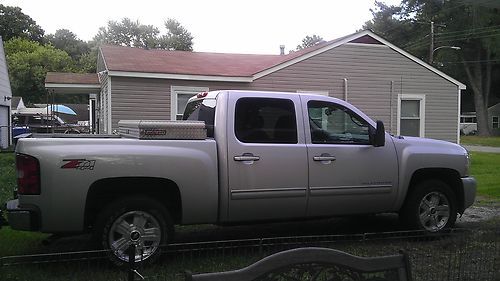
point(202, 110)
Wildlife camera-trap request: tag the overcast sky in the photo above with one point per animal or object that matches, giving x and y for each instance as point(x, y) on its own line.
point(228, 26)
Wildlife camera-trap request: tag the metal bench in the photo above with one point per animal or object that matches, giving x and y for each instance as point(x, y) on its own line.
point(317, 264)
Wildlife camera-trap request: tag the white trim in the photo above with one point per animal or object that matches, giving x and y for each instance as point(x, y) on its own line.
point(346, 40)
point(498, 122)
point(420, 98)
point(110, 124)
point(321, 93)
point(173, 97)
point(84, 86)
point(459, 115)
point(180, 76)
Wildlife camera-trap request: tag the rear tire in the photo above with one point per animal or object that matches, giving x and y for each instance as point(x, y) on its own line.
point(431, 206)
point(134, 220)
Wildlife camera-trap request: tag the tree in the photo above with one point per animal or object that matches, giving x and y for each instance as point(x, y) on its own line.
point(471, 25)
point(14, 23)
point(29, 62)
point(177, 38)
point(134, 34)
point(67, 41)
point(310, 41)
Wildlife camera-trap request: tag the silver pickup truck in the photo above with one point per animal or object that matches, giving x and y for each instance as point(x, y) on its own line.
point(266, 156)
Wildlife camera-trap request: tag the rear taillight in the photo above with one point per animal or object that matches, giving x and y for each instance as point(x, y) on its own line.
point(28, 175)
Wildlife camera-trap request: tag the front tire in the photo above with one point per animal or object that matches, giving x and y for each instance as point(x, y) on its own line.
point(431, 206)
point(134, 220)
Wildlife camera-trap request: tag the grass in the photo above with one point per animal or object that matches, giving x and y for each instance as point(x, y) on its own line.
point(485, 167)
point(476, 140)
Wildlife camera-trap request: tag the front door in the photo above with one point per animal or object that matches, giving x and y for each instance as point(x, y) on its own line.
point(347, 174)
point(267, 158)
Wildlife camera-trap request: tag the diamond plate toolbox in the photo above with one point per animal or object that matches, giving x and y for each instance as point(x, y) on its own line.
point(162, 130)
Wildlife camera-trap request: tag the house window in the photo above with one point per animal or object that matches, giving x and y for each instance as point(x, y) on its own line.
point(495, 122)
point(411, 115)
point(179, 98)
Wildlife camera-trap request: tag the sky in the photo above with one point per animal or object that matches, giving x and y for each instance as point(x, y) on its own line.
point(224, 26)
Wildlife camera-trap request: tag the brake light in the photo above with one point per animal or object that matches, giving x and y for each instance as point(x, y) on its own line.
point(28, 175)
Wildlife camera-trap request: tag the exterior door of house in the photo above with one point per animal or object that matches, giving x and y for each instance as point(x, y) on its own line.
point(267, 158)
point(347, 174)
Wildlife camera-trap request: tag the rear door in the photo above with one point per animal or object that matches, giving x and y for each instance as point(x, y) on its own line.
point(347, 174)
point(267, 155)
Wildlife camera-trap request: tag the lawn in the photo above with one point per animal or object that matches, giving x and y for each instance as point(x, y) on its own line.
point(485, 167)
point(476, 140)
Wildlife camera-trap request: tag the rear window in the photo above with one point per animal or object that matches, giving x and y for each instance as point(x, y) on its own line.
point(202, 110)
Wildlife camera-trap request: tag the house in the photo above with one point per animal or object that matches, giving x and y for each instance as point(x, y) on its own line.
point(468, 121)
point(17, 104)
point(5, 101)
point(411, 97)
point(494, 119)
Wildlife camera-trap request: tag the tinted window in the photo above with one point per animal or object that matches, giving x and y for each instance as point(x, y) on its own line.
point(202, 110)
point(332, 123)
point(265, 120)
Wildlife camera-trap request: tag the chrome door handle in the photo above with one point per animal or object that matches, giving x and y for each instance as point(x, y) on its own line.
point(324, 157)
point(246, 157)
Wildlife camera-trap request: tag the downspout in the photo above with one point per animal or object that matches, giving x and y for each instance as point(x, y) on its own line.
point(345, 89)
point(391, 108)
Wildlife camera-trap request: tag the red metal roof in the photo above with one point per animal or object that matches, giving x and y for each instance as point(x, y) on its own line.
point(129, 59)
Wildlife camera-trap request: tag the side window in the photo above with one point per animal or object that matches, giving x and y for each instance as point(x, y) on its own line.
point(333, 124)
point(265, 120)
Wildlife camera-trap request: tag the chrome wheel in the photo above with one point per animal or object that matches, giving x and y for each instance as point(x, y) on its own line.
point(434, 211)
point(135, 227)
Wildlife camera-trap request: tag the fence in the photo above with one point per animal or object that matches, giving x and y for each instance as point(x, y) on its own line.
point(455, 255)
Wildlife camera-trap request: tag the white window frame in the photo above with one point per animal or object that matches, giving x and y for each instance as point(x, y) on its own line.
point(175, 90)
point(492, 122)
point(420, 98)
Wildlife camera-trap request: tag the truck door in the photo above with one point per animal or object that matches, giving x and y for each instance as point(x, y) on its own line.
point(347, 174)
point(267, 164)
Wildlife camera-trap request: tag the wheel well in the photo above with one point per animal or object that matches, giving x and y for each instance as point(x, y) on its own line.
point(103, 192)
point(449, 176)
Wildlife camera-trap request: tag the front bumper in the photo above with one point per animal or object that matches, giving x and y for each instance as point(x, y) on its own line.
point(469, 184)
point(22, 218)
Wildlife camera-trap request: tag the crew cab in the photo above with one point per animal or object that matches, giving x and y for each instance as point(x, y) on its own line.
point(262, 156)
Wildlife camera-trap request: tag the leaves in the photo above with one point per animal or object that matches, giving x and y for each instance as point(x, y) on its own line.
point(14, 23)
point(310, 41)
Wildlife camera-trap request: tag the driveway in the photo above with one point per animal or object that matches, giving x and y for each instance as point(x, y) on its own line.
point(479, 148)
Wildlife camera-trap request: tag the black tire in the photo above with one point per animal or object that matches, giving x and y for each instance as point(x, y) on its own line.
point(134, 220)
point(431, 206)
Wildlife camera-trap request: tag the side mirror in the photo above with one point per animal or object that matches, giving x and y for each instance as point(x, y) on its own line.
point(377, 138)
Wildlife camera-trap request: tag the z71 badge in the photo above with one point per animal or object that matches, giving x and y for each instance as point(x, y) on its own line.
point(79, 164)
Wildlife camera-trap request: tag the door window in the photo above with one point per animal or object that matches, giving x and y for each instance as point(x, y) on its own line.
point(331, 123)
point(265, 120)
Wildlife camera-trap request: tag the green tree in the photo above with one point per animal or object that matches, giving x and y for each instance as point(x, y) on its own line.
point(65, 40)
point(177, 38)
point(29, 62)
point(310, 41)
point(14, 23)
point(134, 34)
point(470, 25)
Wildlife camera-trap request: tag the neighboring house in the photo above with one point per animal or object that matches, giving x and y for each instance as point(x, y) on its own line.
point(17, 103)
point(468, 121)
point(408, 95)
point(5, 101)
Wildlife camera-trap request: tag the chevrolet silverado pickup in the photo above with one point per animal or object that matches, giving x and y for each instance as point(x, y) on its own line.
point(257, 156)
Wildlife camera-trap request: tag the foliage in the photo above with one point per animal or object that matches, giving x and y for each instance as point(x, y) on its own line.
point(476, 140)
point(471, 25)
point(67, 41)
point(29, 63)
point(14, 23)
point(310, 41)
point(485, 168)
point(134, 34)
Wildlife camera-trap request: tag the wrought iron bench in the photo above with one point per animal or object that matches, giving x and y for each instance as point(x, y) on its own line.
point(317, 264)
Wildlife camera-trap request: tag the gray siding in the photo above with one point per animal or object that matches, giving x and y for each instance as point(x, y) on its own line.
point(5, 104)
point(368, 68)
point(493, 111)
